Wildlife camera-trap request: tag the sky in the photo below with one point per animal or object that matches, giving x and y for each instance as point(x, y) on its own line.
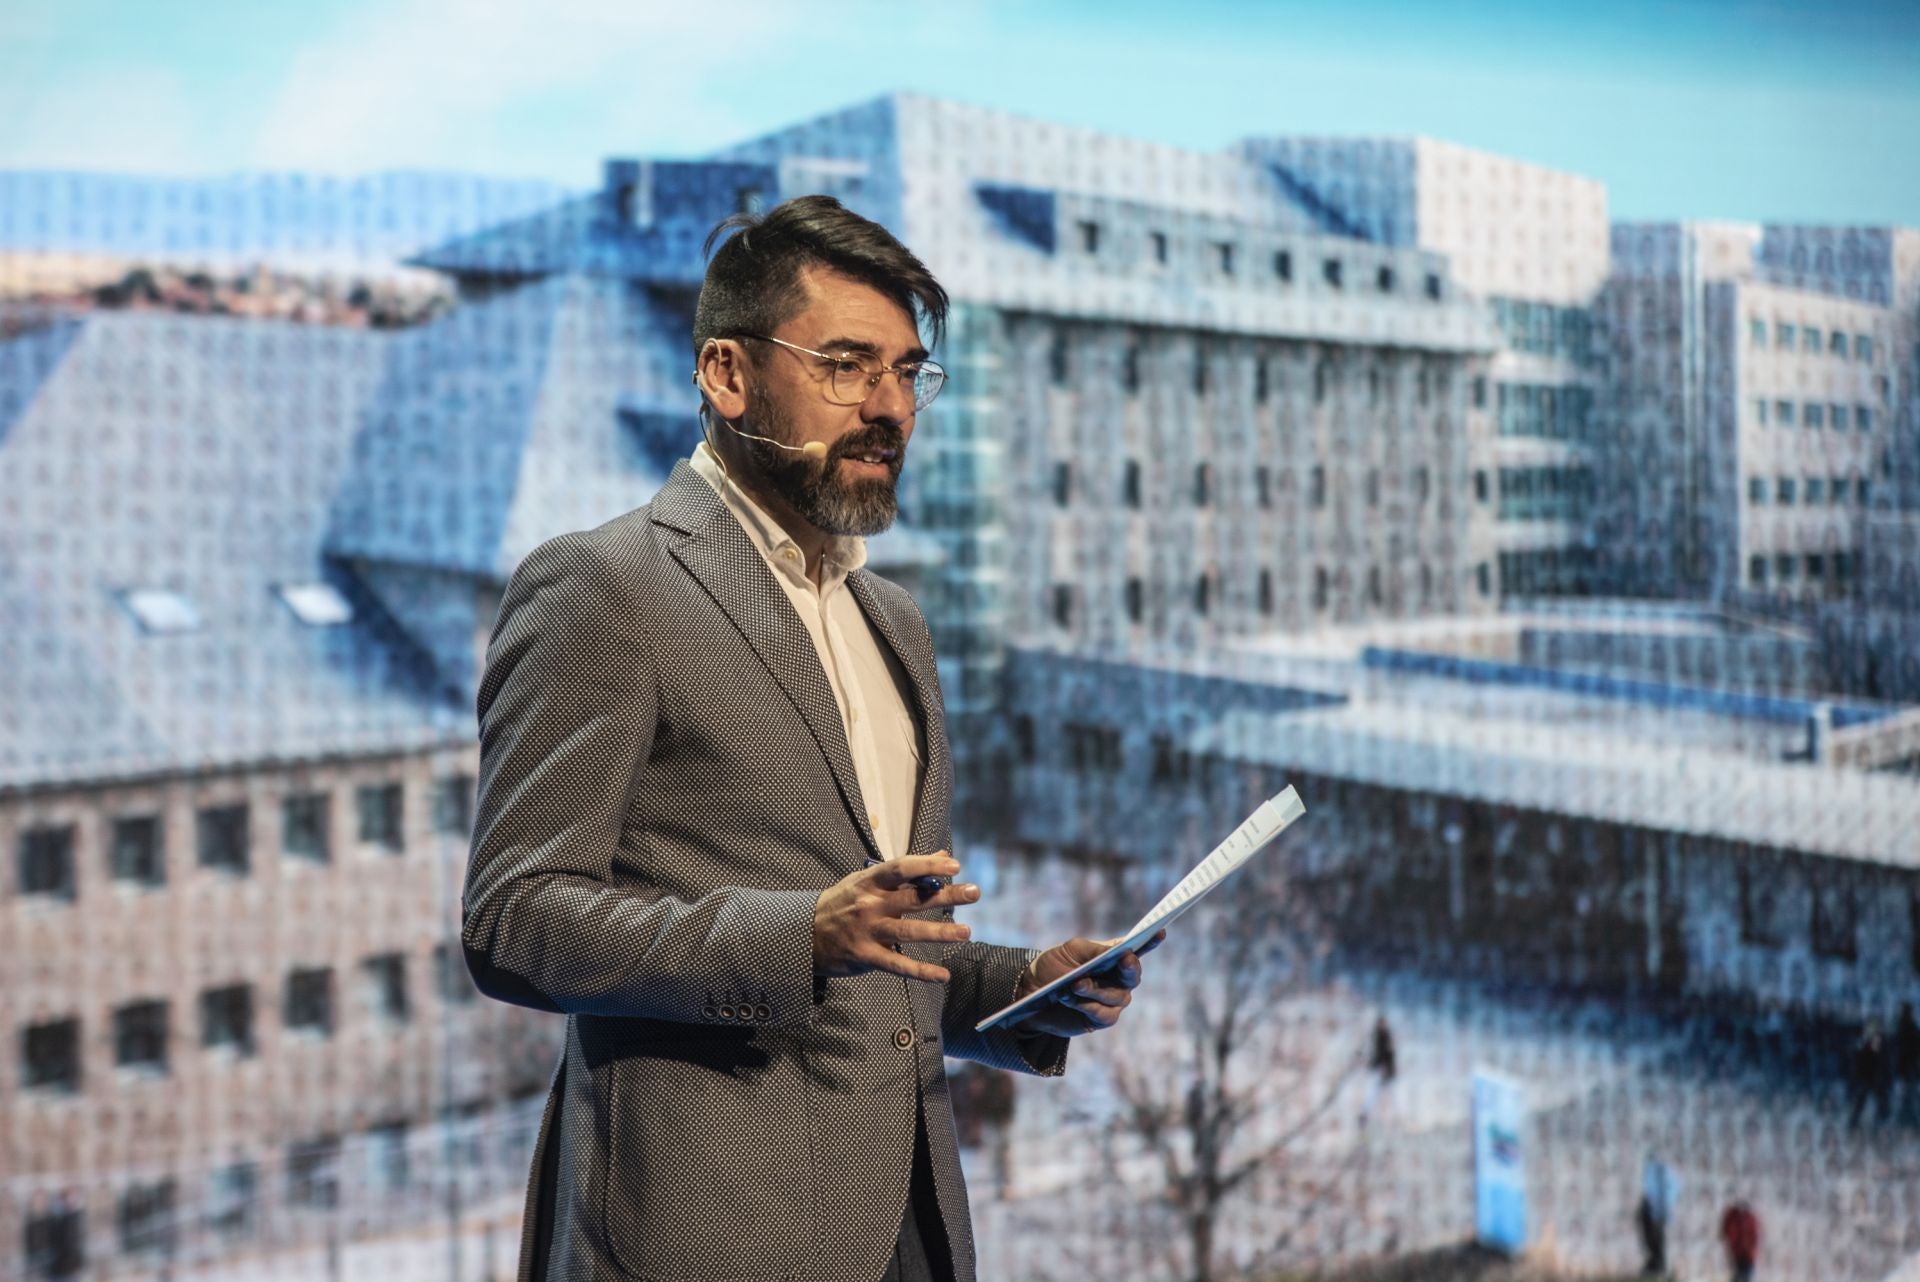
point(1771, 111)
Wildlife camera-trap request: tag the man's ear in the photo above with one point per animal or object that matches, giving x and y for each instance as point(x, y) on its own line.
point(721, 377)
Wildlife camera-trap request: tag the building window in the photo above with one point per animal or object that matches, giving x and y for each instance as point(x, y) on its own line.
point(313, 1174)
point(1321, 586)
point(309, 1001)
point(1317, 486)
point(50, 1056)
point(1263, 485)
point(140, 1036)
point(1783, 413)
point(1483, 575)
point(1260, 381)
point(232, 1194)
point(1837, 344)
point(1760, 411)
point(1373, 487)
point(136, 855)
point(1319, 382)
point(46, 862)
point(1200, 485)
point(1023, 741)
point(1837, 415)
point(1759, 921)
point(1136, 600)
point(1814, 486)
point(1835, 926)
point(1130, 369)
point(1863, 418)
point(1783, 490)
point(1836, 490)
point(1757, 490)
point(1201, 590)
point(1283, 264)
point(220, 836)
point(1433, 286)
point(454, 982)
point(1816, 568)
point(1480, 485)
point(1757, 571)
point(1093, 748)
point(1062, 605)
point(1159, 239)
point(1862, 347)
point(1057, 360)
point(389, 1168)
point(1783, 566)
point(385, 978)
point(1199, 369)
point(1384, 278)
point(1810, 339)
point(1815, 414)
point(145, 1217)
point(379, 806)
point(304, 830)
point(1266, 590)
point(1783, 335)
point(1130, 484)
point(1480, 393)
point(1758, 329)
point(226, 1019)
point(1373, 584)
point(1330, 269)
point(1421, 483)
point(1225, 250)
point(1090, 237)
point(55, 1241)
point(453, 805)
point(1860, 490)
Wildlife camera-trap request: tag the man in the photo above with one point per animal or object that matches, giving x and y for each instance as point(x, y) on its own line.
point(1740, 1234)
point(713, 819)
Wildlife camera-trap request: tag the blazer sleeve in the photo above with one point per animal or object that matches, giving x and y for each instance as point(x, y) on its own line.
point(984, 978)
point(567, 707)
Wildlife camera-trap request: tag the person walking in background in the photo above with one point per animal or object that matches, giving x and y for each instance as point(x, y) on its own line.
point(1906, 1062)
point(1658, 1186)
point(1872, 1074)
point(1740, 1234)
point(1381, 1062)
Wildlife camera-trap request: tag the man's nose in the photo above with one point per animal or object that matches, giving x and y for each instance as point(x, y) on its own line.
point(893, 400)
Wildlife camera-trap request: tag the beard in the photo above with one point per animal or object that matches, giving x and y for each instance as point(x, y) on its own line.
point(819, 491)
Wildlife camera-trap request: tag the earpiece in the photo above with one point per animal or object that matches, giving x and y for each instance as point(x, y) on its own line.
point(812, 449)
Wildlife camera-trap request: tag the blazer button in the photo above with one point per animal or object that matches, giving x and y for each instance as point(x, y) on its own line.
point(726, 1012)
point(903, 1038)
point(763, 1012)
point(709, 1012)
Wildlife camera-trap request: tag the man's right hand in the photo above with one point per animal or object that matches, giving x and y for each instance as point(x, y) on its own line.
point(859, 918)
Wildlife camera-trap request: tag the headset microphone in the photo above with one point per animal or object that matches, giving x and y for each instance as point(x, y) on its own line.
point(812, 449)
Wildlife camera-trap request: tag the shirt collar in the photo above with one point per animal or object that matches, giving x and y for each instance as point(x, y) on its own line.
point(844, 553)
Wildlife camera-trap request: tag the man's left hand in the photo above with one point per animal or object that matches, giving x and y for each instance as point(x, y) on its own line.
point(1093, 1001)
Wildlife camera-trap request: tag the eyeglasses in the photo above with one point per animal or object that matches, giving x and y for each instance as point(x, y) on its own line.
point(856, 374)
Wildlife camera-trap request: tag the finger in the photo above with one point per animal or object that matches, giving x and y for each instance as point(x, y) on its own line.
point(1104, 994)
point(900, 964)
point(898, 872)
point(1160, 937)
point(904, 929)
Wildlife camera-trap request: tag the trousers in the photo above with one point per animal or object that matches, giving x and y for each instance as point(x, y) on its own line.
point(922, 1254)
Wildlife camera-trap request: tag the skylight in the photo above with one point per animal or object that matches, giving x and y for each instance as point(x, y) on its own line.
point(161, 610)
point(319, 604)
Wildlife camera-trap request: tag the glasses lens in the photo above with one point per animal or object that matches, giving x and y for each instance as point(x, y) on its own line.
point(927, 384)
point(853, 378)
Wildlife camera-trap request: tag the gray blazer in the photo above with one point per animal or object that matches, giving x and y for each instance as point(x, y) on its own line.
point(665, 789)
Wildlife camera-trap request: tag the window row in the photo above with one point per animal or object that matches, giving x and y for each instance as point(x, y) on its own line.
point(51, 1051)
point(1227, 259)
point(1812, 414)
point(1206, 591)
point(1810, 338)
point(1268, 376)
point(136, 844)
point(1808, 491)
point(1836, 567)
point(1201, 491)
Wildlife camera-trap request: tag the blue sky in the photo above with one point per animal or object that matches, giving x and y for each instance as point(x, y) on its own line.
point(1689, 108)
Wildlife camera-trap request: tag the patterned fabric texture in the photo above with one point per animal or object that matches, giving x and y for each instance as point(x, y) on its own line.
point(665, 789)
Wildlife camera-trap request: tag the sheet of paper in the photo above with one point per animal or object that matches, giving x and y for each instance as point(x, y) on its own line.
point(1267, 821)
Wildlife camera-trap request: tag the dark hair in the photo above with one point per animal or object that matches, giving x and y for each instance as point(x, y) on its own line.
point(753, 280)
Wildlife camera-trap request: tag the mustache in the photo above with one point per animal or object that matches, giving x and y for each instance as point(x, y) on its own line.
point(882, 437)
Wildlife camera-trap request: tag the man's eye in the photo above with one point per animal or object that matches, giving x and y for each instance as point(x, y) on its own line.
point(847, 365)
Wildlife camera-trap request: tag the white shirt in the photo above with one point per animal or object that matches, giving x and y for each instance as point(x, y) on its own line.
point(876, 705)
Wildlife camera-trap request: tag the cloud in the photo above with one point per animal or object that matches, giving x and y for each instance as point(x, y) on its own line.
point(135, 119)
point(455, 83)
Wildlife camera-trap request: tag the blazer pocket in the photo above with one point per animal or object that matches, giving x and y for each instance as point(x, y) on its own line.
point(710, 1174)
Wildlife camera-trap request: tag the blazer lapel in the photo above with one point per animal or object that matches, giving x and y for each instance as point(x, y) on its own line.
point(719, 554)
point(930, 800)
